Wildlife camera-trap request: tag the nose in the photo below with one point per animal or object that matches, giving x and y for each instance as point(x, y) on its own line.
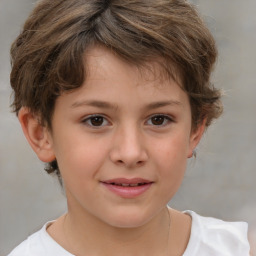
point(128, 148)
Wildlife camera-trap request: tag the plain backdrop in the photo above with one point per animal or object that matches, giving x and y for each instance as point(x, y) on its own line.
point(219, 183)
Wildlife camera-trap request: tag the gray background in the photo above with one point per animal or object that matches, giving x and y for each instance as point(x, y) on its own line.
point(219, 183)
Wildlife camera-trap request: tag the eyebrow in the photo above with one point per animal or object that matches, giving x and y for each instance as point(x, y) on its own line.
point(106, 105)
point(94, 103)
point(160, 104)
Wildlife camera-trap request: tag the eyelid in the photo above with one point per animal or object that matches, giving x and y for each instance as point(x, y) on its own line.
point(167, 117)
point(88, 117)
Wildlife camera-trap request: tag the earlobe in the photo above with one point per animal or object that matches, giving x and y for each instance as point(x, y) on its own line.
point(37, 135)
point(195, 138)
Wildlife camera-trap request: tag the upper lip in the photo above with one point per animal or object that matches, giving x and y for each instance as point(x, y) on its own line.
point(127, 181)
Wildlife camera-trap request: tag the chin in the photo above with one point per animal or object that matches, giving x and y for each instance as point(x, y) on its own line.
point(128, 219)
point(127, 223)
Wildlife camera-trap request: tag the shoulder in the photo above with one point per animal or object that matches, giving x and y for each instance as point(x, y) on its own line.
point(39, 244)
point(210, 236)
point(25, 247)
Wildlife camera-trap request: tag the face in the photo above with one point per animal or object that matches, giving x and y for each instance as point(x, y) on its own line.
point(121, 141)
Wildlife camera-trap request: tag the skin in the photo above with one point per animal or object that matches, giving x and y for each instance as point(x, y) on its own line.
point(144, 131)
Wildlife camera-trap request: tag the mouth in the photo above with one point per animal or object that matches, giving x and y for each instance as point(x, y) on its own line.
point(124, 182)
point(127, 188)
point(127, 184)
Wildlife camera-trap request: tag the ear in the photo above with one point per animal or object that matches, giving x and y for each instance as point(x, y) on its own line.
point(37, 135)
point(195, 137)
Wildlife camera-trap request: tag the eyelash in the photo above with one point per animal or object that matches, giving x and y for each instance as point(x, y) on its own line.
point(167, 119)
point(88, 120)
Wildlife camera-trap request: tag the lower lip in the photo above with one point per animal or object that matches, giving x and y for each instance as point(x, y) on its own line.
point(128, 192)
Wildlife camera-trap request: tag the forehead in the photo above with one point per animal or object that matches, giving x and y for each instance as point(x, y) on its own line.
point(101, 62)
point(109, 80)
point(115, 86)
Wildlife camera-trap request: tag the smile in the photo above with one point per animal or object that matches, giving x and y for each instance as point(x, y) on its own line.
point(127, 188)
point(128, 185)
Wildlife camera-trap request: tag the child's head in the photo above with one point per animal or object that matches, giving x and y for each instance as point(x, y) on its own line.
point(49, 56)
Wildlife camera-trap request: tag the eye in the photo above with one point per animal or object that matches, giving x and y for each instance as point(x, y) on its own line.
point(159, 120)
point(96, 121)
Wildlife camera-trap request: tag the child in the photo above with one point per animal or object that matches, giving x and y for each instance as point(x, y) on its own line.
point(114, 96)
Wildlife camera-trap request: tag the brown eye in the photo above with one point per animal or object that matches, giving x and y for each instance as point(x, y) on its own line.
point(159, 120)
point(96, 121)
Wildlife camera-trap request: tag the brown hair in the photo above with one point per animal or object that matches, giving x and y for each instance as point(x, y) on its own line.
point(47, 57)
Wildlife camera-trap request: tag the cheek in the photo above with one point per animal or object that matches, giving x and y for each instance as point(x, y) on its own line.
point(171, 161)
point(172, 150)
point(80, 157)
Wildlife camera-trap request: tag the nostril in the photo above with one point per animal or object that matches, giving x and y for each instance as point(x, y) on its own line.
point(138, 163)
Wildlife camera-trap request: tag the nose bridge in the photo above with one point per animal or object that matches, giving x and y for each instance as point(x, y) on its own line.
point(129, 148)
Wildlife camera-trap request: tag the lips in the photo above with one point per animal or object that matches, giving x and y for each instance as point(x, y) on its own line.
point(127, 182)
point(127, 188)
point(128, 185)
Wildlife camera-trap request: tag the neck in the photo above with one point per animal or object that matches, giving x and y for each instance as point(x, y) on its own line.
point(86, 234)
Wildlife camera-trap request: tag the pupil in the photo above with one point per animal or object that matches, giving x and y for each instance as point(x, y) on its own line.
point(158, 120)
point(97, 121)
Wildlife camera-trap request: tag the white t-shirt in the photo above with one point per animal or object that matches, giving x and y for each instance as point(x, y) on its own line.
point(209, 237)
